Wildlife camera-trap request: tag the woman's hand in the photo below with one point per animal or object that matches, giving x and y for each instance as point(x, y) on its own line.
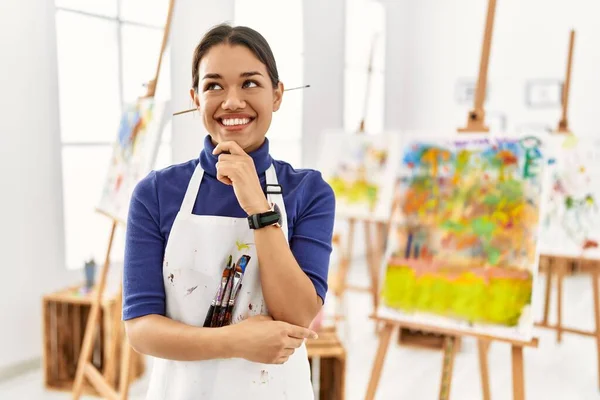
point(261, 339)
point(237, 169)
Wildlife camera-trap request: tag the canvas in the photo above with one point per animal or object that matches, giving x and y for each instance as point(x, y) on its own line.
point(463, 252)
point(571, 221)
point(134, 154)
point(361, 170)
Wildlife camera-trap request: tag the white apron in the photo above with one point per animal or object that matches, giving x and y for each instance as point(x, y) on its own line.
point(195, 256)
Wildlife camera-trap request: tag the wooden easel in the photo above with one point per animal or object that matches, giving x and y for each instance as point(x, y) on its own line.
point(448, 358)
point(374, 241)
point(85, 369)
point(559, 266)
point(475, 123)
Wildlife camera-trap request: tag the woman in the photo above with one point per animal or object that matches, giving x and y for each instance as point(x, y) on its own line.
point(189, 221)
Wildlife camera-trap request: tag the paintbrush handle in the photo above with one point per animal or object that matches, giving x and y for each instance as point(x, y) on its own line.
point(227, 320)
point(229, 311)
point(209, 316)
point(224, 303)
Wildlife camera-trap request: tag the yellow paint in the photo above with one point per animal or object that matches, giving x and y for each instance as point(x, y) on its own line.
point(242, 246)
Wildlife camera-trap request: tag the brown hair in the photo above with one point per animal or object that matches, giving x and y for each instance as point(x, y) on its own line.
point(239, 35)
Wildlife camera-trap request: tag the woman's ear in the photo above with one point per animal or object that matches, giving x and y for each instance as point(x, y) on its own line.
point(195, 98)
point(277, 96)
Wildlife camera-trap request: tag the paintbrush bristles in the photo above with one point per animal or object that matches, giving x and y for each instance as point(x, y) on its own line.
point(194, 109)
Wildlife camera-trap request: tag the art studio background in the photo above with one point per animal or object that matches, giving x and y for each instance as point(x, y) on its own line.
point(69, 68)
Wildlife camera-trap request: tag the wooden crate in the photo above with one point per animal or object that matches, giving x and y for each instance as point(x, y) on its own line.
point(332, 356)
point(65, 315)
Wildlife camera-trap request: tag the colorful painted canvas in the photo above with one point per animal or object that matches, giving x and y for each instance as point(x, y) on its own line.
point(464, 252)
point(134, 154)
point(361, 169)
point(571, 222)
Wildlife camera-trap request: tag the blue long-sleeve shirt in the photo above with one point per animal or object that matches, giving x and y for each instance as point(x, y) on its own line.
point(156, 200)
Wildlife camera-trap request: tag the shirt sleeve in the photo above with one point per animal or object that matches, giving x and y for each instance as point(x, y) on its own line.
point(143, 287)
point(313, 232)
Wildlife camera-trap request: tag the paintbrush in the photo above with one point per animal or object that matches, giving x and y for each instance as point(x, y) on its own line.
point(230, 289)
point(216, 299)
point(240, 268)
point(195, 109)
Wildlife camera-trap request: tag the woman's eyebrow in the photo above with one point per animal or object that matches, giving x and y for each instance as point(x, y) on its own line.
point(212, 76)
point(242, 75)
point(250, 73)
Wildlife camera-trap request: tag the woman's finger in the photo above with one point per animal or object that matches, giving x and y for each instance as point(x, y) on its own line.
point(293, 343)
point(231, 146)
point(287, 352)
point(281, 360)
point(230, 157)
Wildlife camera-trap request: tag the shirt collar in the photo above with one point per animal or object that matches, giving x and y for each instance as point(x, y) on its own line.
point(262, 159)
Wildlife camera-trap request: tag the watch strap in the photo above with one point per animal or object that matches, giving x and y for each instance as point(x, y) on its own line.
point(257, 221)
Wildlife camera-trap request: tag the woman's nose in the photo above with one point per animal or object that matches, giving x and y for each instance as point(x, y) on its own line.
point(233, 101)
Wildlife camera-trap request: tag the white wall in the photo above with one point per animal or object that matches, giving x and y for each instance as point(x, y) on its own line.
point(31, 237)
point(433, 43)
point(191, 19)
point(323, 105)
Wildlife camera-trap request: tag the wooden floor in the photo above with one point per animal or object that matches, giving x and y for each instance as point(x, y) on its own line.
point(552, 372)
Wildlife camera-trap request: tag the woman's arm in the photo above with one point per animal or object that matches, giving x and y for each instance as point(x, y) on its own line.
point(258, 339)
point(294, 277)
point(289, 293)
point(163, 337)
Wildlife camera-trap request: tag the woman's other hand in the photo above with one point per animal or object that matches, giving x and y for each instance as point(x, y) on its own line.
point(261, 339)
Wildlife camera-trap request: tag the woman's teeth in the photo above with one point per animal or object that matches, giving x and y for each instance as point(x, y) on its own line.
point(235, 121)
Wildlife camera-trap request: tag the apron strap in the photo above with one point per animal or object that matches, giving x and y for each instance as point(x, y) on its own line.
point(187, 206)
point(275, 195)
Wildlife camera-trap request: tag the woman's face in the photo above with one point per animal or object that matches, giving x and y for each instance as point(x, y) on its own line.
point(235, 96)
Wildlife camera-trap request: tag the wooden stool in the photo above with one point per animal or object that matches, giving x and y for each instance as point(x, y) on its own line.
point(331, 355)
point(65, 315)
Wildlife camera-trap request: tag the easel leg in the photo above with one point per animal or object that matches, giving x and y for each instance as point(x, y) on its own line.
point(596, 294)
point(384, 341)
point(371, 249)
point(346, 257)
point(86, 349)
point(483, 347)
point(517, 373)
point(90, 329)
point(560, 275)
point(125, 368)
point(548, 293)
point(447, 367)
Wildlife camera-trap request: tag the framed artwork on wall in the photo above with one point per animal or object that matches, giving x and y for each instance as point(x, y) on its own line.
point(543, 93)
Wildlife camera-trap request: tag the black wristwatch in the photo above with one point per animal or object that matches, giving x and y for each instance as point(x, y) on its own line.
point(271, 217)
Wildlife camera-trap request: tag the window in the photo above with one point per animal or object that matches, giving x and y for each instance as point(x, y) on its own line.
point(285, 36)
point(107, 51)
point(365, 33)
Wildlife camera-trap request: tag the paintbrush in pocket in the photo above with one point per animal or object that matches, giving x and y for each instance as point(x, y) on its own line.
point(238, 274)
point(216, 302)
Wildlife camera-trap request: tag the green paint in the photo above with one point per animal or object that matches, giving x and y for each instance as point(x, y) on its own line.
point(467, 297)
point(455, 227)
point(482, 226)
point(493, 255)
point(569, 202)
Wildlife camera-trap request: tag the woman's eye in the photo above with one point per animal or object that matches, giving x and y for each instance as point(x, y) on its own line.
point(249, 84)
point(212, 86)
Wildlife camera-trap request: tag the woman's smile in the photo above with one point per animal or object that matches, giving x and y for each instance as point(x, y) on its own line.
point(235, 122)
